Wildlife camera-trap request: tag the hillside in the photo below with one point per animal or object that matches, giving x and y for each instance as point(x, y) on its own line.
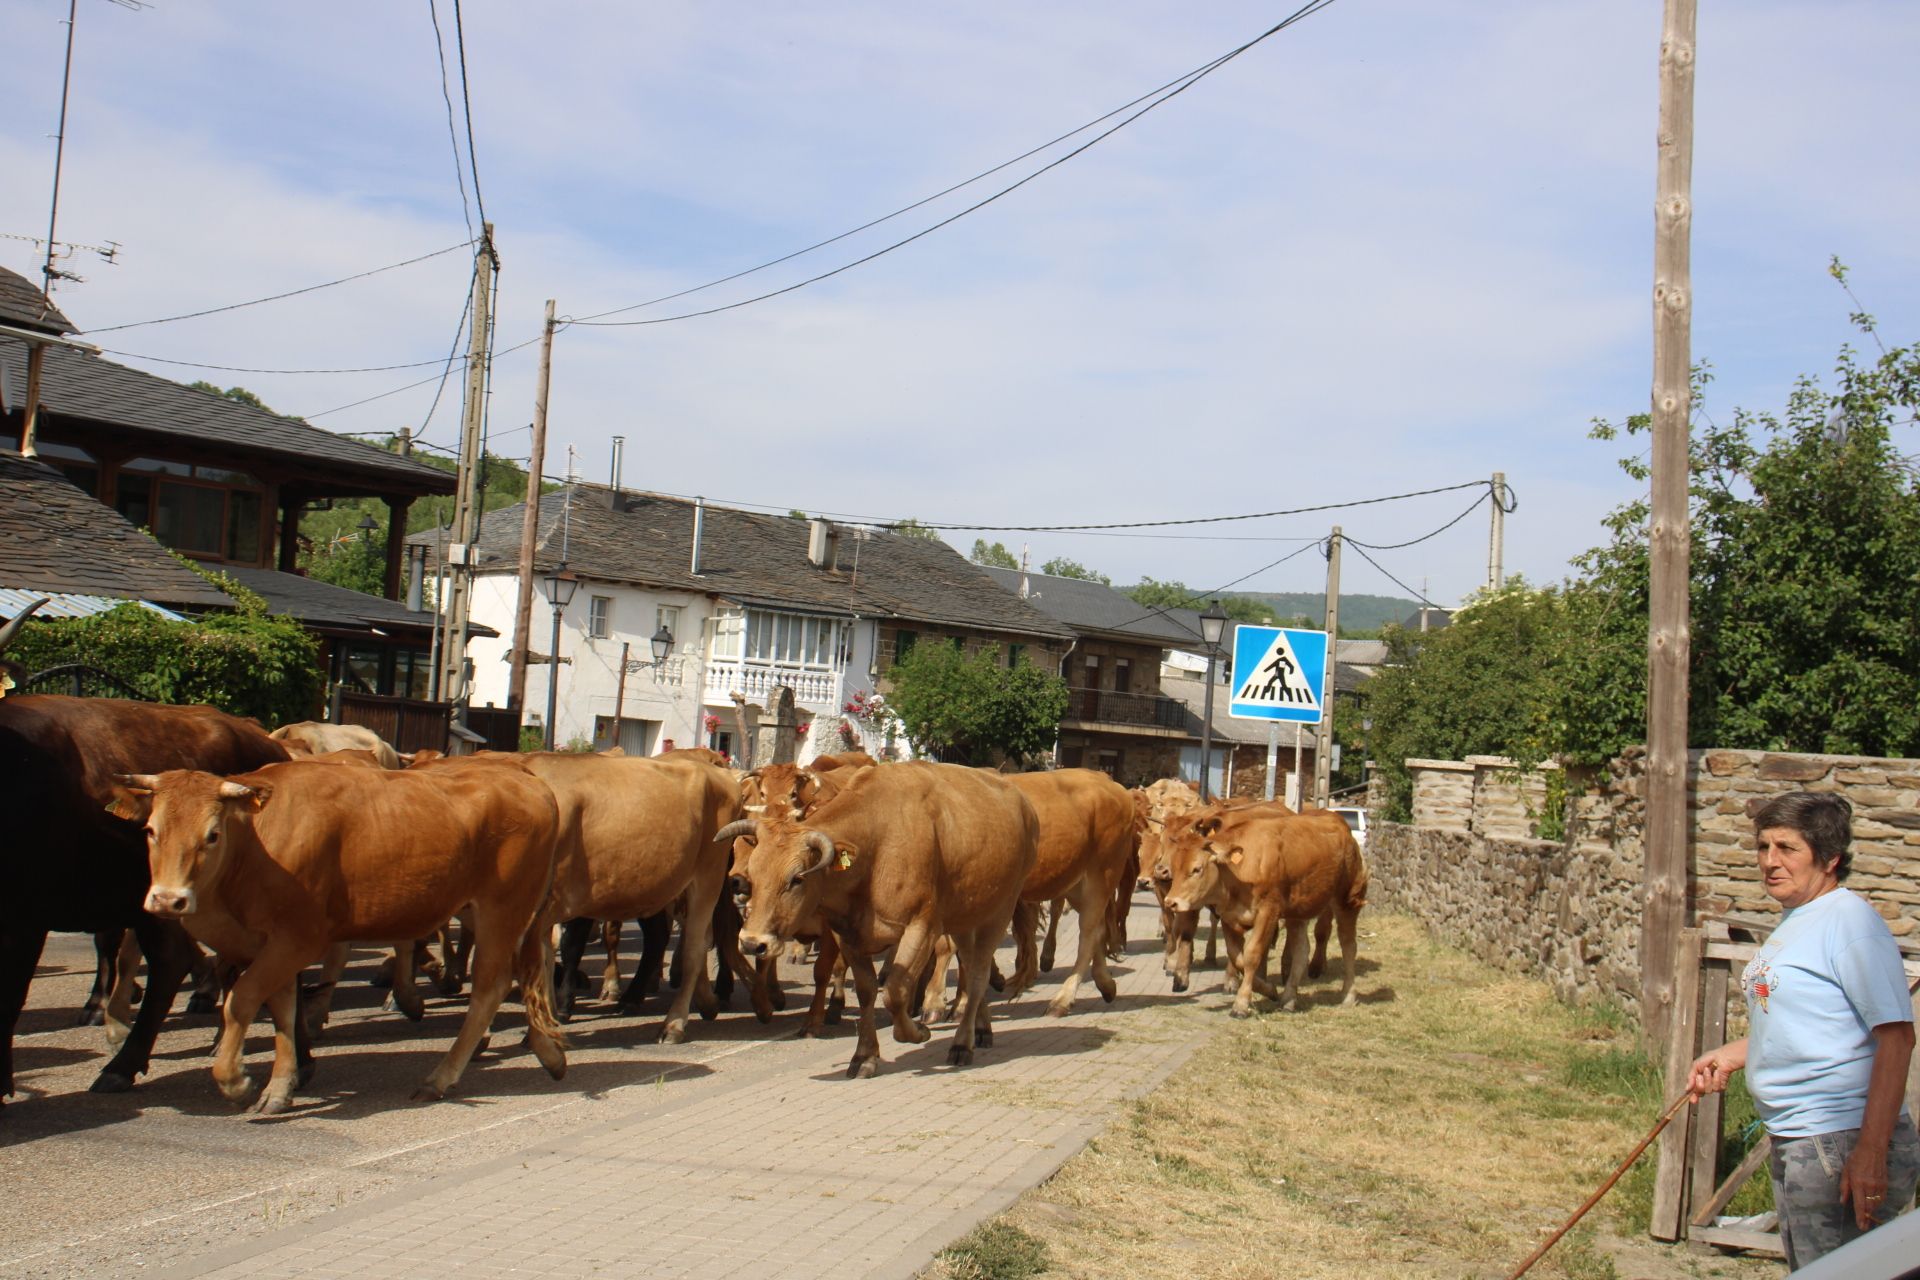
point(1357, 612)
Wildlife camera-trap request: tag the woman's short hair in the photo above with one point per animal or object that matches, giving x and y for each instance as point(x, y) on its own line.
point(1823, 819)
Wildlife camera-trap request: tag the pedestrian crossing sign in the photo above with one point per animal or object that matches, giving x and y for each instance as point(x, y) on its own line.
point(1278, 674)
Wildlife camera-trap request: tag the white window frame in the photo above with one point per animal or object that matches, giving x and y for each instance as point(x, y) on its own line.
point(599, 617)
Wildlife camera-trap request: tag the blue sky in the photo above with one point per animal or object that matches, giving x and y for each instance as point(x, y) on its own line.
point(1401, 245)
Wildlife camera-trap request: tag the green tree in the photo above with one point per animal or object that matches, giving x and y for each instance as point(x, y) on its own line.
point(911, 528)
point(996, 556)
point(240, 394)
point(973, 710)
point(1061, 567)
point(1150, 593)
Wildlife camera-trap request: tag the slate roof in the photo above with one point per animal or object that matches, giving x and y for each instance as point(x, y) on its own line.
point(1436, 619)
point(756, 559)
point(323, 606)
point(1093, 607)
point(53, 537)
point(1191, 693)
point(142, 407)
point(24, 306)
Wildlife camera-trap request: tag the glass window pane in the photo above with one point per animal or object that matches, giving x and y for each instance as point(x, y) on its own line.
point(243, 526)
point(189, 518)
point(134, 499)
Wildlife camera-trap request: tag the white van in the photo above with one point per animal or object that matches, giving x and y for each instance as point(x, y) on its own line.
point(1356, 820)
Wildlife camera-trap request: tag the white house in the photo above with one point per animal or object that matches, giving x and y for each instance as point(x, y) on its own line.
point(751, 602)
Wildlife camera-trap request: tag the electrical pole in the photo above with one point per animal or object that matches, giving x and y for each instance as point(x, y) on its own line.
point(1323, 735)
point(1669, 633)
point(530, 528)
point(468, 498)
point(1497, 538)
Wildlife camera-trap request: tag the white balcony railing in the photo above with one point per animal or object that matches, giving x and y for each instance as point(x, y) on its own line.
point(813, 688)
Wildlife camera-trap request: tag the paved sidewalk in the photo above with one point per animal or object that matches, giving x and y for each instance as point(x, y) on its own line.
point(778, 1166)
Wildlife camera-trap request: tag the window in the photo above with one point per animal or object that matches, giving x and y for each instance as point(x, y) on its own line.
point(791, 640)
point(411, 673)
point(903, 642)
point(1122, 675)
point(728, 634)
point(207, 511)
point(667, 616)
point(1014, 653)
point(599, 616)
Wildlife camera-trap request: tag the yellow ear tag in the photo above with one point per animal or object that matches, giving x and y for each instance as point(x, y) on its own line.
point(844, 860)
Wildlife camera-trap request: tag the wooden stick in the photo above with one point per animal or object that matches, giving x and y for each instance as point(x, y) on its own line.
point(1605, 1187)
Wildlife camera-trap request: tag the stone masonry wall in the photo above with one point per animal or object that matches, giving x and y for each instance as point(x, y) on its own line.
point(1569, 910)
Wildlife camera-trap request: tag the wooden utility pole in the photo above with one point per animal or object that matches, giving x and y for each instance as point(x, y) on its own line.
point(1323, 735)
point(1497, 536)
point(468, 499)
point(530, 528)
point(1669, 635)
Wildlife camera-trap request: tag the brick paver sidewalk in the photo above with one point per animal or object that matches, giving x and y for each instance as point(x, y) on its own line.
point(778, 1166)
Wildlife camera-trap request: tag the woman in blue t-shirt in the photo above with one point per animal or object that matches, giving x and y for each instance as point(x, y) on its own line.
point(1830, 1036)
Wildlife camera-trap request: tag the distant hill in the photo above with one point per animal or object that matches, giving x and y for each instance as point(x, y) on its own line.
point(1357, 613)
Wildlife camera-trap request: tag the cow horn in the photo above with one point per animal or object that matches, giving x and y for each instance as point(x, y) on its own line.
point(750, 776)
point(754, 808)
point(235, 791)
point(12, 629)
point(145, 783)
point(734, 830)
point(822, 846)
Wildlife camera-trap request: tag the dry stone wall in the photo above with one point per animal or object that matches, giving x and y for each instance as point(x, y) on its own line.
point(1568, 910)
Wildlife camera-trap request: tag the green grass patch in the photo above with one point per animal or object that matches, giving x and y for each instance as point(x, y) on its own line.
point(996, 1251)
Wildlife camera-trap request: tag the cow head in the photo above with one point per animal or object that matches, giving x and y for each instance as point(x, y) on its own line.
point(785, 869)
point(193, 822)
point(1195, 856)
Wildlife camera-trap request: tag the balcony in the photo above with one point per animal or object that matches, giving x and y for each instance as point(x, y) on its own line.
point(1105, 709)
point(812, 687)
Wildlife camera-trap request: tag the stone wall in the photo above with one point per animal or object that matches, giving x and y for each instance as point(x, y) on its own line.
point(1568, 910)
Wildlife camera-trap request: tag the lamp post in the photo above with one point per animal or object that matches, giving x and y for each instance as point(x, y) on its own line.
point(1213, 623)
point(662, 645)
point(561, 584)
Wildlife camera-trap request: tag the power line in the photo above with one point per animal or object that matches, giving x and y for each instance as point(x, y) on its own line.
point(294, 293)
point(234, 368)
point(466, 108)
point(1414, 542)
point(1182, 86)
point(453, 354)
point(1421, 596)
point(459, 169)
point(1158, 524)
point(355, 404)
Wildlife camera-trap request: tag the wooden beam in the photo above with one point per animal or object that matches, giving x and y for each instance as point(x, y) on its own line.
point(1767, 1242)
point(1703, 1164)
point(1669, 634)
point(1670, 1180)
point(396, 544)
point(292, 503)
point(1723, 1194)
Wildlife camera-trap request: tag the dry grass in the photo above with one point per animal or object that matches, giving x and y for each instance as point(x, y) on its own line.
point(1440, 1128)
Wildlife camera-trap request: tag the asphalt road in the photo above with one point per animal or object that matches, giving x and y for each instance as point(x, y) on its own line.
point(119, 1183)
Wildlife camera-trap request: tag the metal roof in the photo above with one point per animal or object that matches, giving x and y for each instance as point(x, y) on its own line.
point(68, 604)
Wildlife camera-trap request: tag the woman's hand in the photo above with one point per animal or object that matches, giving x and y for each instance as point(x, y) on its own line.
point(1711, 1071)
point(1863, 1182)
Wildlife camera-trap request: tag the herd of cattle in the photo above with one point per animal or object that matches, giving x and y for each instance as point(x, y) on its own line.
point(163, 830)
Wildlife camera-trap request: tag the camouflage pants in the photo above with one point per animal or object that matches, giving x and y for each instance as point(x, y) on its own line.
point(1806, 1189)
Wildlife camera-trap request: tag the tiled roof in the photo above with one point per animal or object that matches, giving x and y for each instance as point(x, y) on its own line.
point(759, 559)
point(53, 537)
point(1096, 607)
point(100, 393)
point(323, 605)
point(1191, 693)
point(25, 307)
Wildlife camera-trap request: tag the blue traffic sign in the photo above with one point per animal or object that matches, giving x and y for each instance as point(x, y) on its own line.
point(1278, 674)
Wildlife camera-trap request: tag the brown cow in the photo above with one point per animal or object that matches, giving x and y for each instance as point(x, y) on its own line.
point(317, 737)
point(904, 854)
point(273, 867)
point(636, 835)
point(1259, 868)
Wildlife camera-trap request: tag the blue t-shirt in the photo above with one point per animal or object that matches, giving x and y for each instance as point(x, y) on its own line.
point(1827, 976)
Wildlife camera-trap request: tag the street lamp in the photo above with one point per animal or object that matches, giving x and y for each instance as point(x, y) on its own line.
point(1213, 624)
point(662, 644)
point(561, 584)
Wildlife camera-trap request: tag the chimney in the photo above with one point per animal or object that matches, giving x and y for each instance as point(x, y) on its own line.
point(619, 447)
point(823, 544)
point(699, 527)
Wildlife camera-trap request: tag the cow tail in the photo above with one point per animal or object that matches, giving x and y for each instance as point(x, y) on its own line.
point(1357, 888)
point(536, 986)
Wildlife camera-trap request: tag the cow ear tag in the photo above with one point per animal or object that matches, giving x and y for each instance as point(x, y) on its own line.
point(844, 860)
point(1234, 857)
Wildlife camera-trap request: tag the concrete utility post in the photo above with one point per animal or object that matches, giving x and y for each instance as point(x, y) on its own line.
point(1497, 537)
point(1323, 736)
point(530, 528)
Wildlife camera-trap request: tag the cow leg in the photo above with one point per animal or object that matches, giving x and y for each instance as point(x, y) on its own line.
point(932, 985)
point(1322, 930)
point(534, 968)
point(1184, 924)
point(124, 988)
point(1090, 904)
point(911, 954)
point(492, 974)
point(1297, 954)
point(695, 929)
point(1349, 953)
point(278, 965)
point(866, 1051)
point(726, 930)
point(976, 963)
point(208, 994)
point(610, 974)
point(763, 991)
point(1122, 906)
point(283, 1005)
point(1213, 936)
point(1028, 961)
point(106, 945)
point(1054, 909)
point(170, 954)
point(406, 993)
point(825, 965)
point(455, 952)
point(19, 953)
point(573, 945)
point(837, 989)
point(1253, 957)
point(316, 1004)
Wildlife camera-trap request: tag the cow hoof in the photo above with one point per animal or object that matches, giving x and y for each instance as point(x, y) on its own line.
point(983, 1037)
point(959, 1055)
point(1179, 984)
point(1315, 970)
point(428, 1093)
point(110, 1081)
point(779, 1000)
point(1109, 992)
point(551, 1056)
point(303, 1074)
point(997, 980)
point(270, 1105)
point(91, 1018)
point(1240, 1011)
point(448, 986)
point(240, 1095)
point(1057, 1010)
point(863, 1068)
point(673, 1033)
point(811, 1032)
point(197, 1003)
point(708, 1012)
